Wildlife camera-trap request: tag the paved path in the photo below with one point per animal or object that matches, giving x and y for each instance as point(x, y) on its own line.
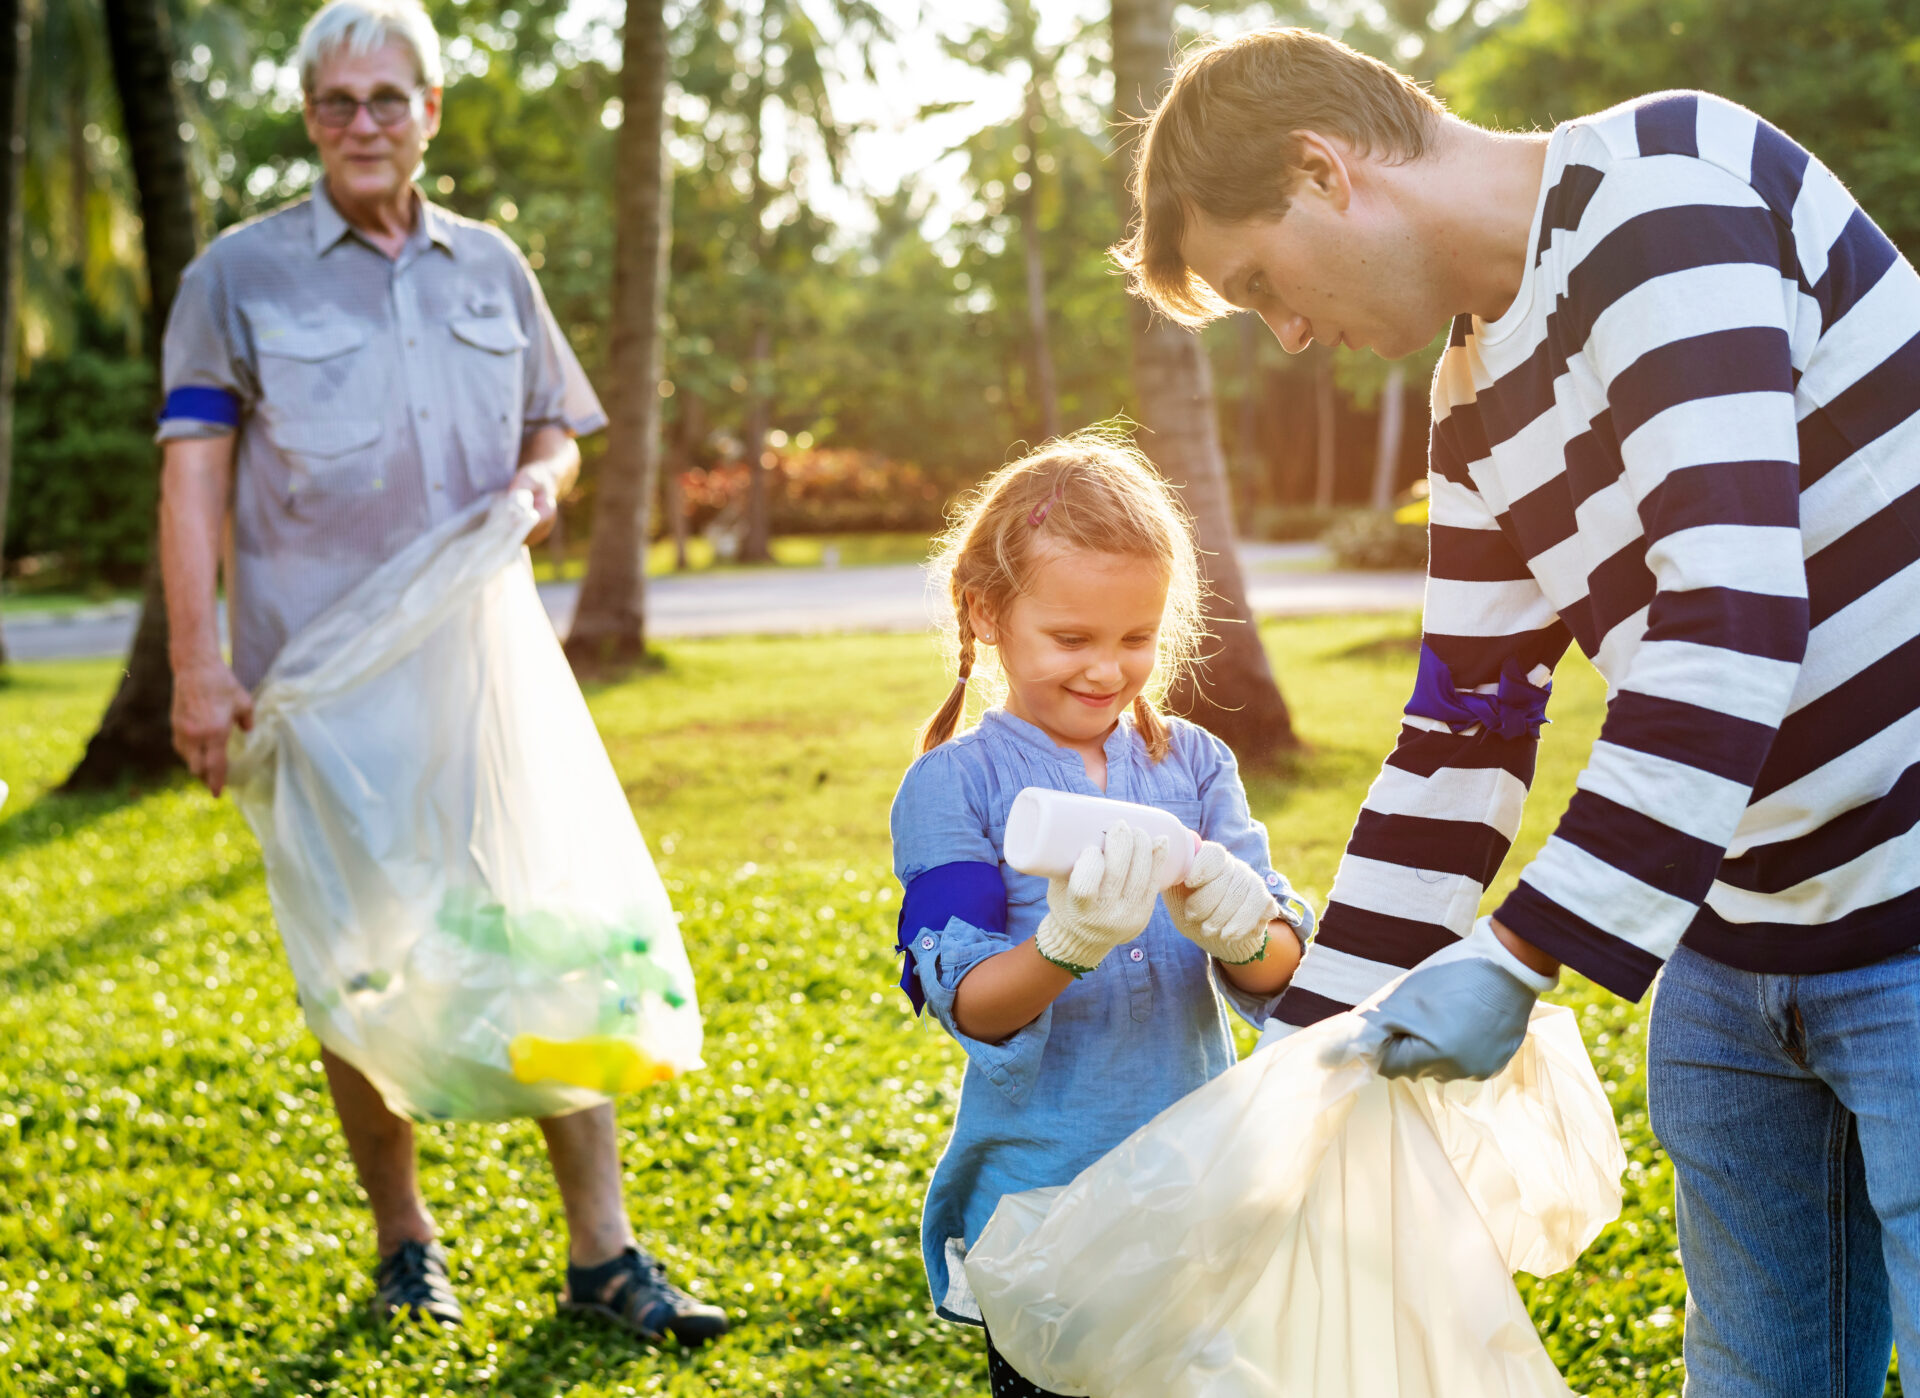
point(1282, 580)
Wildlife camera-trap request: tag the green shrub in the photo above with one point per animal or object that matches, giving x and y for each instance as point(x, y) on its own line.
point(86, 474)
point(1370, 539)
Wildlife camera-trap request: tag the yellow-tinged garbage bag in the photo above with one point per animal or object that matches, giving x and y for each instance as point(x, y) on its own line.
point(1302, 1226)
point(471, 913)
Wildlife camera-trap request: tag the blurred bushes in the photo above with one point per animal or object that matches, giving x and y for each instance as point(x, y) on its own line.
point(821, 491)
point(1290, 524)
point(86, 474)
point(1373, 539)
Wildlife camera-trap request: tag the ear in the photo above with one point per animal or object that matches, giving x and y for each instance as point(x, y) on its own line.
point(430, 114)
point(1325, 170)
point(978, 617)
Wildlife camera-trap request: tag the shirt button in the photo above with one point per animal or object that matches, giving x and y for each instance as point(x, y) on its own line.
point(409, 342)
point(926, 944)
point(423, 412)
point(1137, 954)
point(438, 486)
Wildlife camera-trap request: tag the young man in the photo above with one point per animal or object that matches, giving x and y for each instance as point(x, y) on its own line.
point(1677, 424)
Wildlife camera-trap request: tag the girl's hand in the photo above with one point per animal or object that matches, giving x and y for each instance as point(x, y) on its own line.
point(1223, 906)
point(1105, 901)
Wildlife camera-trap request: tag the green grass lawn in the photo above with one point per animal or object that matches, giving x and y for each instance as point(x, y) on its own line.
point(179, 1212)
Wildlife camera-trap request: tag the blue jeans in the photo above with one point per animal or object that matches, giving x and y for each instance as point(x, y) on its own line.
point(1790, 1106)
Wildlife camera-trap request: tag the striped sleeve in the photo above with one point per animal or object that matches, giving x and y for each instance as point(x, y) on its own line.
point(1437, 821)
point(1684, 315)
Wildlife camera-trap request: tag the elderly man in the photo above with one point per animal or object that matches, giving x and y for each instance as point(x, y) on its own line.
point(1677, 424)
point(350, 371)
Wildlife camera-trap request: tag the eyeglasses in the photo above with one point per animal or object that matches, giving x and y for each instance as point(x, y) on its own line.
point(389, 108)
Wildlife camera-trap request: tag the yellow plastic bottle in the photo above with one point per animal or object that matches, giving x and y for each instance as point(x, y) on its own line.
point(597, 1063)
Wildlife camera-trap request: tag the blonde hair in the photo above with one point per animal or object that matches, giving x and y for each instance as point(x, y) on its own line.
point(1225, 142)
point(1093, 491)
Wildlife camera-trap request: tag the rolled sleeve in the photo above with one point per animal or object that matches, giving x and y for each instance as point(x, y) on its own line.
point(939, 820)
point(209, 384)
point(942, 958)
point(558, 391)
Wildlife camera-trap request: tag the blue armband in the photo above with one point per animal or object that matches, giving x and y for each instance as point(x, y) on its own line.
point(969, 890)
point(203, 405)
point(1518, 710)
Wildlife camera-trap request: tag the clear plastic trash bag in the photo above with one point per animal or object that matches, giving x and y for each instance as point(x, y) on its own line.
point(472, 916)
point(1302, 1226)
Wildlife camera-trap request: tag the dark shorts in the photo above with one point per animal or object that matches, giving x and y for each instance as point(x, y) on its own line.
point(1004, 1380)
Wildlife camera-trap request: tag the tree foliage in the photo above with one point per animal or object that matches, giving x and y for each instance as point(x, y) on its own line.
point(1838, 77)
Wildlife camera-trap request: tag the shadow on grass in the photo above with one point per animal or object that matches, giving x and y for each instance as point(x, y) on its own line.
point(115, 934)
point(1389, 648)
point(559, 1351)
point(55, 817)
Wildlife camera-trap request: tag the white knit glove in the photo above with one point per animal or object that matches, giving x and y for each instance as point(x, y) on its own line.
point(1223, 906)
point(1105, 901)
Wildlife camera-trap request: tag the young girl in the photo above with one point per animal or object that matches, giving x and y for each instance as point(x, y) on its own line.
point(1086, 1004)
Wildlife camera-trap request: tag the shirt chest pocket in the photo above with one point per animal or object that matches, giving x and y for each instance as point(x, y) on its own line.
point(320, 406)
point(314, 368)
point(486, 373)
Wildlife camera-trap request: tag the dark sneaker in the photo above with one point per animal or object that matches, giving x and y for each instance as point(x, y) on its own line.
point(414, 1280)
point(633, 1292)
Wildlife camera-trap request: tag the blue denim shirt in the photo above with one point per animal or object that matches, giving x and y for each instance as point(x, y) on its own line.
point(1142, 1030)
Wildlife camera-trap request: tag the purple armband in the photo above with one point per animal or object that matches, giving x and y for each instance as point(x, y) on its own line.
point(971, 891)
point(1518, 710)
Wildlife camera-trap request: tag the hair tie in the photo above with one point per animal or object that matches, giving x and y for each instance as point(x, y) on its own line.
point(1039, 515)
point(966, 671)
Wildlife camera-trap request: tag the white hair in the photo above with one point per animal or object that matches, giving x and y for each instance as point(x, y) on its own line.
point(362, 27)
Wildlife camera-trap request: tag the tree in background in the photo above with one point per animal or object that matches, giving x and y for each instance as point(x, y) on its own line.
point(1232, 690)
point(748, 58)
point(16, 41)
point(1016, 43)
point(1838, 77)
point(609, 624)
point(135, 737)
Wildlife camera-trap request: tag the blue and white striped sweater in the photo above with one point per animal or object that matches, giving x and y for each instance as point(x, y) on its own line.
point(1692, 448)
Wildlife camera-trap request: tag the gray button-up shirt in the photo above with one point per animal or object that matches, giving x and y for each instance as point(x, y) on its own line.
point(373, 397)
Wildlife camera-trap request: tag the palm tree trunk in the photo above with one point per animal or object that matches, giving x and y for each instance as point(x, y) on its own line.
point(135, 737)
point(1247, 447)
point(1044, 391)
point(609, 632)
point(1325, 462)
point(16, 39)
point(688, 432)
point(757, 545)
point(1393, 426)
point(1232, 692)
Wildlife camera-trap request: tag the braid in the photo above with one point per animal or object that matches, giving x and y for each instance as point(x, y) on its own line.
point(1153, 728)
point(946, 718)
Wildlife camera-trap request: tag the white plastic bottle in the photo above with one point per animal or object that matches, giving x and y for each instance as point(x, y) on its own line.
point(1047, 830)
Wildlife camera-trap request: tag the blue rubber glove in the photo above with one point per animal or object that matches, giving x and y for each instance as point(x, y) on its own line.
point(1461, 1013)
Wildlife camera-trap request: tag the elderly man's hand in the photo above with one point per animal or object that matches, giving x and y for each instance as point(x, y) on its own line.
point(207, 702)
point(537, 480)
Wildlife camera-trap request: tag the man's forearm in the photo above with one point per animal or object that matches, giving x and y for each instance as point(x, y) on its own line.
point(553, 450)
point(193, 504)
